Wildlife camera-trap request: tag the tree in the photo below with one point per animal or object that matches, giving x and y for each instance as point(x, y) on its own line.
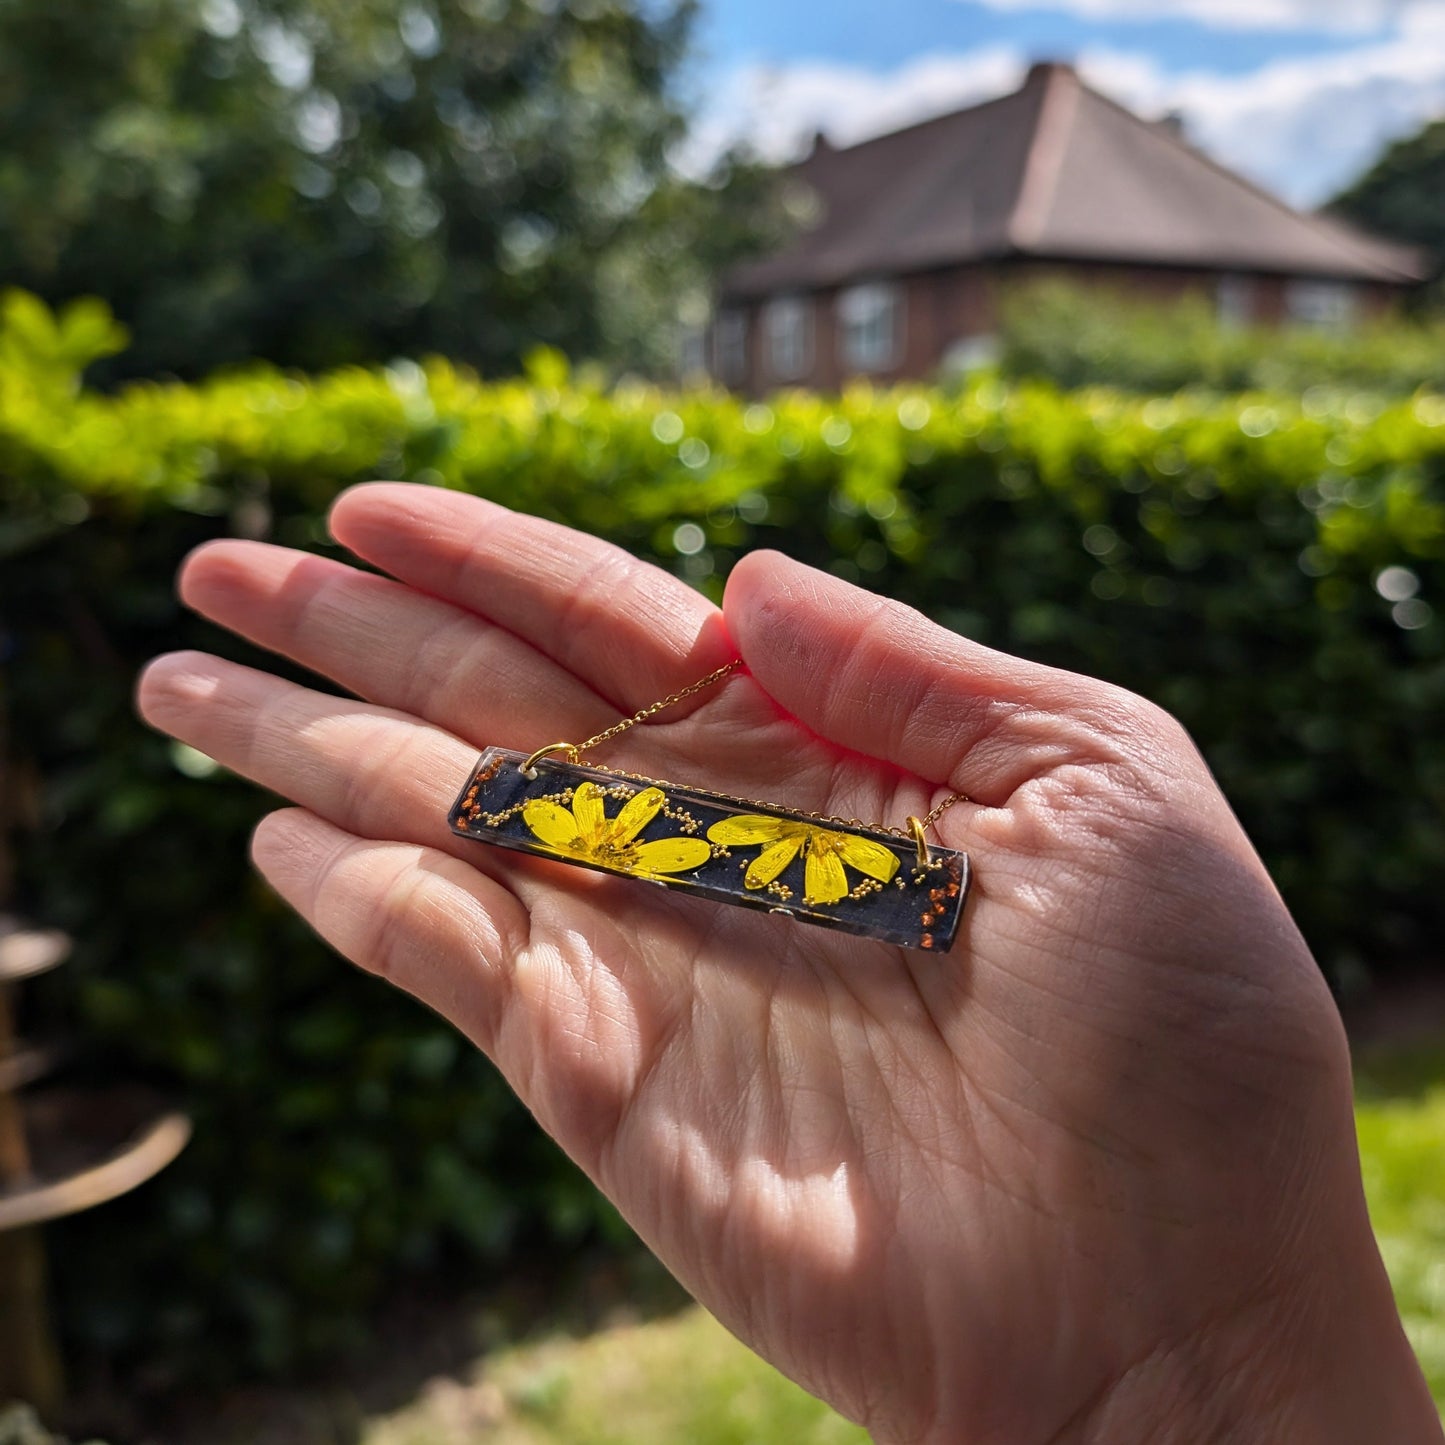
point(1403, 195)
point(326, 181)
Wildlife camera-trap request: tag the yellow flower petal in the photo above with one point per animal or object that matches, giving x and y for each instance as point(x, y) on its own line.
point(553, 824)
point(748, 829)
point(588, 807)
point(771, 861)
point(671, 855)
point(636, 814)
point(824, 879)
point(867, 856)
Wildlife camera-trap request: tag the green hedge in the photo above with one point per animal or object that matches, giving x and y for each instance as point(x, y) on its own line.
point(1265, 567)
point(1074, 336)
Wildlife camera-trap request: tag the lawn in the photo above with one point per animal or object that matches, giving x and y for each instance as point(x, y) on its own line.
point(1400, 1112)
point(682, 1380)
point(598, 1375)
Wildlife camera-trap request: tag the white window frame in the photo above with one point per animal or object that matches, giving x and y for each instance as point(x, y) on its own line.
point(1323, 305)
point(730, 345)
point(788, 329)
point(979, 352)
point(870, 326)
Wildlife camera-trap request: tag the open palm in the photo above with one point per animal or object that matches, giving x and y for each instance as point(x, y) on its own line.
point(1021, 1192)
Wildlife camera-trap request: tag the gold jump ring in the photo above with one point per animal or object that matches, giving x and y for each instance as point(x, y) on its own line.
point(529, 768)
point(920, 840)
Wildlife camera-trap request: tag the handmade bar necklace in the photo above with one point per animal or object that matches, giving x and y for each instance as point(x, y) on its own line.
point(880, 882)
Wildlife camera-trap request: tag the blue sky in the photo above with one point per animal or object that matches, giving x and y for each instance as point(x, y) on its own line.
point(1299, 94)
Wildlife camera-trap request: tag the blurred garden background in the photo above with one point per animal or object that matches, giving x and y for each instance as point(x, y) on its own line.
point(257, 250)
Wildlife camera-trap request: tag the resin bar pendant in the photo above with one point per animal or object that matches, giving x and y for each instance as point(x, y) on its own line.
point(853, 879)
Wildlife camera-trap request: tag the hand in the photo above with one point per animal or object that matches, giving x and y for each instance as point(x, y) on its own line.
point(1091, 1176)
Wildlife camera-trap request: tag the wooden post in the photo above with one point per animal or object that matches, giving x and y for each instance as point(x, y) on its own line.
point(125, 1144)
point(14, 1151)
point(29, 1358)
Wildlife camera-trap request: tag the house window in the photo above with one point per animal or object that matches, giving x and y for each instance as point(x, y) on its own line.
point(1234, 302)
point(788, 322)
point(1327, 305)
point(972, 353)
point(730, 347)
point(870, 325)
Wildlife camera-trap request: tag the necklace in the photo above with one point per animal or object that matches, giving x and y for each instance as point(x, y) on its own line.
point(869, 879)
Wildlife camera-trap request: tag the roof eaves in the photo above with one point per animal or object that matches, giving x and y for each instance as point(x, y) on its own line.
point(1328, 228)
point(1243, 263)
point(743, 287)
point(1389, 259)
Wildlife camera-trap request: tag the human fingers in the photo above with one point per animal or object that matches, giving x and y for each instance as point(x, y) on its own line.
point(391, 644)
point(570, 1032)
point(630, 631)
point(369, 771)
point(878, 677)
point(416, 917)
point(399, 648)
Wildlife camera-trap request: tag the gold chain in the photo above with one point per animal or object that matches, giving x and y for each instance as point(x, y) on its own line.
point(653, 709)
point(917, 826)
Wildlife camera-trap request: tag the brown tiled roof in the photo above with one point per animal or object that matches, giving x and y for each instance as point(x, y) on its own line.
point(1054, 171)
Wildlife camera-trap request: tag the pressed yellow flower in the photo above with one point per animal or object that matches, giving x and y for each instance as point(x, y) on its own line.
point(825, 852)
point(585, 831)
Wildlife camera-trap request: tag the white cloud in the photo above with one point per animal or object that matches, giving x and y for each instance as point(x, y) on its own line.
point(1361, 17)
point(1303, 127)
point(778, 109)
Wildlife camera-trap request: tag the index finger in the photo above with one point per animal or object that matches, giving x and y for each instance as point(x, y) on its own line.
point(629, 630)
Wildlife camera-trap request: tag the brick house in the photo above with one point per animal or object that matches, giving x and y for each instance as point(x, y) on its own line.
point(916, 234)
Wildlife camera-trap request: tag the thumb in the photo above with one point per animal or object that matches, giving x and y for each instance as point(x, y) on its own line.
point(879, 678)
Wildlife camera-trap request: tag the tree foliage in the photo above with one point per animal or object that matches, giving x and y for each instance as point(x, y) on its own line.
point(1403, 194)
point(316, 182)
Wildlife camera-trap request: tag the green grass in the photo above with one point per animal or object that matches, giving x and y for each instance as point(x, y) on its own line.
point(677, 1381)
point(1400, 1114)
point(683, 1380)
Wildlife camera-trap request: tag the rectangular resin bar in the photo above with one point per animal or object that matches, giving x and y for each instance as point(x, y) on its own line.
point(855, 879)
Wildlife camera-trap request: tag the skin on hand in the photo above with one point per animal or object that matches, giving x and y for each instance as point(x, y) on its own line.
point(1090, 1177)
